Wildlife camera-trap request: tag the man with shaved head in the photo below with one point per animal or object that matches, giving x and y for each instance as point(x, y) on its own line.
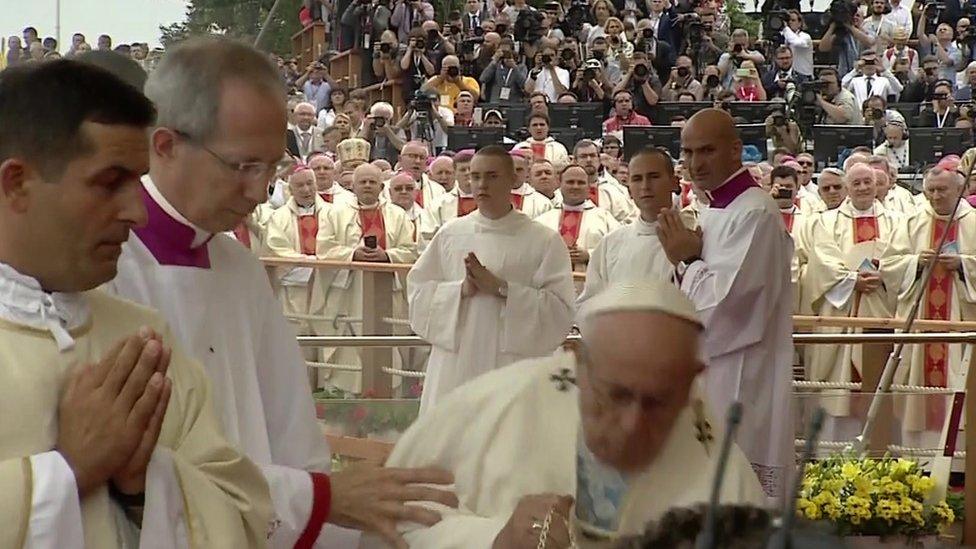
point(441, 171)
point(844, 279)
point(736, 268)
point(492, 287)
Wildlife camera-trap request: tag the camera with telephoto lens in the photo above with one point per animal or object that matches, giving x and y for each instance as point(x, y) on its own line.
point(589, 74)
point(422, 102)
point(576, 16)
point(841, 14)
point(546, 59)
point(641, 71)
point(468, 44)
point(528, 26)
point(385, 48)
point(419, 43)
point(379, 122)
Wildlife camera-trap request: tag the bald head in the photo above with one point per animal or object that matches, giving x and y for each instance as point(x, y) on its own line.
point(441, 170)
point(367, 182)
point(711, 148)
point(302, 187)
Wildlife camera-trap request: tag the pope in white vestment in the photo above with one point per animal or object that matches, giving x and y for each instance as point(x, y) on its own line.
point(529, 429)
point(257, 372)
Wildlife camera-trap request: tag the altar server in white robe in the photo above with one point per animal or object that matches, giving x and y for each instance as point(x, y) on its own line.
point(845, 278)
point(325, 180)
point(371, 231)
point(950, 295)
point(736, 268)
point(524, 198)
point(216, 295)
point(633, 252)
point(108, 436)
point(580, 223)
point(586, 153)
point(595, 439)
point(458, 202)
point(491, 288)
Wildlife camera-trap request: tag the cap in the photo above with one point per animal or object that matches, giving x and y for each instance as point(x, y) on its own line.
point(464, 155)
point(353, 149)
point(494, 112)
point(593, 64)
point(644, 296)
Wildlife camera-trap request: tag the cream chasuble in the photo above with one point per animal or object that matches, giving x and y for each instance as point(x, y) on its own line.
point(582, 226)
point(610, 198)
point(470, 336)
point(526, 200)
point(481, 433)
point(200, 492)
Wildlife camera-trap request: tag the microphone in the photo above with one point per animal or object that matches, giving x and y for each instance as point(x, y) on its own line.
point(707, 538)
point(783, 538)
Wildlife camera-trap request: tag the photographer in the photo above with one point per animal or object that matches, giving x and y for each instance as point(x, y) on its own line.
point(941, 45)
point(784, 133)
point(701, 41)
point(449, 83)
point(415, 66)
point(900, 51)
point(711, 84)
point(658, 51)
point(738, 52)
point(569, 59)
point(503, 79)
point(386, 66)
point(867, 81)
point(941, 112)
point(428, 121)
point(800, 43)
point(437, 46)
point(361, 15)
point(591, 84)
point(316, 83)
point(965, 93)
point(782, 79)
point(844, 36)
point(598, 49)
point(546, 76)
point(922, 83)
point(407, 13)
point(838, 105)
point(682, 78)
point(384, 138)
point(876, 113)
point(643, 85)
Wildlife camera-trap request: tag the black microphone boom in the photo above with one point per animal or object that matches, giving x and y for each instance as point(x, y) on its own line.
point(707, 538)
point(783, 538)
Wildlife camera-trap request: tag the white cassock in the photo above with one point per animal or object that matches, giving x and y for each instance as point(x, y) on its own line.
point(474, 335)
point(200, 491)
point(217, 298)
point(428, 192)
point(629, 253)
point(480, 434)
point(553, 151)
point(844, 239)
point(742, 291)
point(337, 195)
point(424, 225)
point(796, 222)
point(344, 288)
point(453, 205)
point(529, 201)
point(900, 200)
point(609, 197)
point(292, 234)
point(252, 232)
point(583, 226)
point(949, 296)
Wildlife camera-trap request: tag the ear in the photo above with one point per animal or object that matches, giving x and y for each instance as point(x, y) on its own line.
point(163, 143)
point(15, 184)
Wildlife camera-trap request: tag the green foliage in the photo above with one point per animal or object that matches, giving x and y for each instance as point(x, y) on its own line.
point(739, 19)
point(240, 19)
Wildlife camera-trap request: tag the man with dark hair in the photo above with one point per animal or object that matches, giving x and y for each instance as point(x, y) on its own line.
point(541, 143)
point(837, 103)
point(784, 181)
point(104, 43)
point(610, 197)
point(88, 459)
point(473, 294)
point(30, 36)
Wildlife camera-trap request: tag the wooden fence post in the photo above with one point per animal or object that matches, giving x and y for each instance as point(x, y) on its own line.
point(377, 305)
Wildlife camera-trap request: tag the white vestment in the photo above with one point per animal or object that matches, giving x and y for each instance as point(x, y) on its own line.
point(610, 198)
point(430, 191)
point(534, 203)
point(474, 335)
point(595, 223)
point(514, 432)
point(629, 253)
point(742, 291)
point(337, 195)
point(225, 315)
point(899, 199)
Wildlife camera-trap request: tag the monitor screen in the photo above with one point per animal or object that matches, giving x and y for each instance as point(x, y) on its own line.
point(928, 145)
point(473, 138)
point(829, 141)
point(639, 137)
point(585, 116)
point(666, 111)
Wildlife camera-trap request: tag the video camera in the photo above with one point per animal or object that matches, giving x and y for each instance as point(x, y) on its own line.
point(528, 26)
point(841, 14)
point(576, 16)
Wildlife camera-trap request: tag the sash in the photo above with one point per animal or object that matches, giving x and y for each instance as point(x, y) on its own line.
point(865, 230)
point(788, 220)
point(327, 197)
point(938, 300)
point(308, 229)
point(517, 200)
point(594, 194)
point(569, 227)
point(371, 223)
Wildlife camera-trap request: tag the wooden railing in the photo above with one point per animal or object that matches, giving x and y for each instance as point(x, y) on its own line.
point(310, 44)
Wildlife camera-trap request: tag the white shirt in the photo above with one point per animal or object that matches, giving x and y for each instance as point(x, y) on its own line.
point(864, 87)
point(545, 84)
point(902, 17)
point(802, 45)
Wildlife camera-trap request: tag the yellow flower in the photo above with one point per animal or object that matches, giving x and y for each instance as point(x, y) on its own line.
point(850, 471)
point(863, 486)
point(858, 509)
point(922, 485)
point(944, 514)
point(887, 509)
point(808, 509)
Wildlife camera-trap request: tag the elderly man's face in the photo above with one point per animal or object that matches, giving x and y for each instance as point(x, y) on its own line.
point(651, 184)
point(574, 186)
point(304, 117)
point(881, 180)
point(250, 128)
point(465, 105)
point(832, 190)
point(521, 170)
point(402, 192)
point(302, 187)
point(324, 169)
point(367, 182)
point(634, 379)
point(83, 217)
point(862, 186)
point(462, 173)
point(943, 191)
point(806, 168)
point(413, 158)
point(442, 171)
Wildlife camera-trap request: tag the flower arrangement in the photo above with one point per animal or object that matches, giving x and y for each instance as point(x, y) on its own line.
point(362, 418)
point(872, 497)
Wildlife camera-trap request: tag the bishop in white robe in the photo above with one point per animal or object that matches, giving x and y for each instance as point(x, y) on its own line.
point(738, 275)
point(325, 181)
point(522, 304)
point(610, 197)
point(413, 160)
point(638, 341)
point(458, 202)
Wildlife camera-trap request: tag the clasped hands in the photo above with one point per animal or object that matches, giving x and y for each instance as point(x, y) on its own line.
point(479, 279)
point(950, 262)
point(373, 255)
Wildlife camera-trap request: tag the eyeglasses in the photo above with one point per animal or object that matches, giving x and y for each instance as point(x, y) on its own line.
point(804, 163)
point(249, 171)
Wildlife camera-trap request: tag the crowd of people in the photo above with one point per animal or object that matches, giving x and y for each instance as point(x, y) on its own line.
point(30, 48)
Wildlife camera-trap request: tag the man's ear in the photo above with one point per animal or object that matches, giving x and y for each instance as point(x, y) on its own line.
point(163, 143)
point(16, 177)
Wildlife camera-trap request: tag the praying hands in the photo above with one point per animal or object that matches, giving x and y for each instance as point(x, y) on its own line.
point(679, 242)
point(480, 279)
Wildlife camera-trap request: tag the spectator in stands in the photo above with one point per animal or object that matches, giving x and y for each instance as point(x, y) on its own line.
point(36, 51)
point(590, 84)
point(539, 103)
point(416, 65)
point(567, 97)
point(782, 78)
point(474, 13)
point(876, 113)
point(879, 26)
point(661, 20)
point(15, 51)
point(838, 104)
point(406, 13)
point(900, 51)
point(746, 84)
point(784, 132)
point(598, 49)
point(464, 110)
point(711, 84)
point(895, 147)
point(543, 145)
point(450, 82)
point(383, 135)
point(901, 16)
point(437, 45)
point(658, 50)
point(847, 44)
point(503, 80)
point(739, 50)
point(30, 36)
point(623, 113)
point(800, 44)
point(431, 128)
point(941, 112)
point(546, 76)
point(104, 43)
point(50, 45)
point(355, 110)
point(682, 78)
point(942, 46)
point(337, 100)
point(965, 93)
point(316, 84)
point(921, 87)
point(869, 81)
point(359, 16)
point(308, 138)
point(712, 41)
point(386, 62)
point(642, 83)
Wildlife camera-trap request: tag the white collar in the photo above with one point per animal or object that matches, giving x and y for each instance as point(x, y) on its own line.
point(581, 207)
point(645, 227)
point(524, 189)
point(22, 301)
point(305, 210)
point(200, 236)
point(790, 210)
point(862, 213)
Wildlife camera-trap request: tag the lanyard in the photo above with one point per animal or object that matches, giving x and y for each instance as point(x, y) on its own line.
point(508, 77)
point(941, 121)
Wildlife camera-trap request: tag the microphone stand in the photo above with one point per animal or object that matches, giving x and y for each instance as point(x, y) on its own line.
point(894, 359)
point(707, 538)
point(783, 537)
